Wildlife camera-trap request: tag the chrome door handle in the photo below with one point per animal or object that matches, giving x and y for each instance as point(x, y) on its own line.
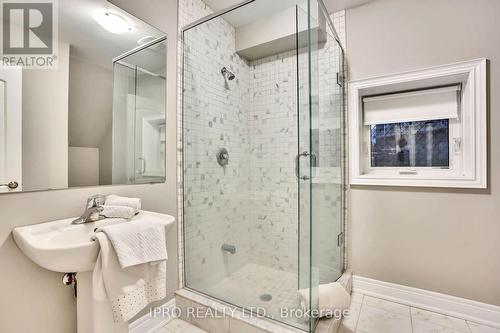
point(12, 185)
point(314, 163)
point(297, 162)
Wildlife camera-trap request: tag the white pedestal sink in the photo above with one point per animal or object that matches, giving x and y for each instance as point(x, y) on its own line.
point(67, 248)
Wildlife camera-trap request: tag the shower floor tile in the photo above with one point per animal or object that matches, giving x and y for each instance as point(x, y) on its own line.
point(245, 287)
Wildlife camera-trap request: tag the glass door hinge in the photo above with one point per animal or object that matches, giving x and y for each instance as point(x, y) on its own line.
point(340, 79)
point(340, 239)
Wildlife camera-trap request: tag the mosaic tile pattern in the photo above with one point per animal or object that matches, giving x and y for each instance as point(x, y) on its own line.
point(215, 116)
point(188, 11)
point(259, 280)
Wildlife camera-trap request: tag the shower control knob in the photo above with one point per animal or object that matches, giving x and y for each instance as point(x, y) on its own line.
point(222, 157)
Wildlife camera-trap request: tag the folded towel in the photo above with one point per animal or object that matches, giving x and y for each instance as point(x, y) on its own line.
point(126, 291)
point(117, 211)
point(332, 296)
point(137, 242)
point(115, 200)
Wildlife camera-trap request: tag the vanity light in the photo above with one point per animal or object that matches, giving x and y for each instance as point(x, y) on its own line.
point(113, 22)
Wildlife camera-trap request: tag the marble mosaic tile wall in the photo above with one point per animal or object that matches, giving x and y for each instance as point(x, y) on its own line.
point(273, 141)
point(272, 121)
point(215, 116)
point(252, 202)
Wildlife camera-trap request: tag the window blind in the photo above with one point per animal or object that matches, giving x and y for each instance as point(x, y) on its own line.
point(421, 105)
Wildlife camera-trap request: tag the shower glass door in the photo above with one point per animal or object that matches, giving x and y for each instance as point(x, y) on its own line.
point(139, 120)
point(323, 121)
point(257, 155)
point(307, 27)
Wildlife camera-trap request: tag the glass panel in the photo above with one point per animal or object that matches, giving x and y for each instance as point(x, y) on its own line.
point(139, 97)
point(410, 144)
point(307, 84)
point(248, 139)
point(328, 168)
point(123, 123)
point(149, 127)
point(326, 124)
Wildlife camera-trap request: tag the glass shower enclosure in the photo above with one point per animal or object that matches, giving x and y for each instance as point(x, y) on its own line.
point(139, 97)
point(263, 156)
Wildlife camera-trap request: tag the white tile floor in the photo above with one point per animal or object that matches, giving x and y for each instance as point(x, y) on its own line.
point(179, 326)
point(373, 315)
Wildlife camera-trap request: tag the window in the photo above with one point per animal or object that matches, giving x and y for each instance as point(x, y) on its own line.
point(410, 144)
point(423, 128)
point(411, 130)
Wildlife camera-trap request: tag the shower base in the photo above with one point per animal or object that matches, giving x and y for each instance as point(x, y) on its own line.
point(246, 286)
point(252, 285)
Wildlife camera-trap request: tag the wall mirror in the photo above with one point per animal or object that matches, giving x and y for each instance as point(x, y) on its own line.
point(98, 117)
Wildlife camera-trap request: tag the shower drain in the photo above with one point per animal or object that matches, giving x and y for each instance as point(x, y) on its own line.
point(266, 297)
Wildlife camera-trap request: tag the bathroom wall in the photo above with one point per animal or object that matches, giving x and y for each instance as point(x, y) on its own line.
point(83, 166)
point(33, 299)
point(91, 88)
point(444, 240)
point(43, 167)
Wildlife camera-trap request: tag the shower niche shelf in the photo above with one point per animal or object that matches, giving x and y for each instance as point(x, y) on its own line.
point(253, 41)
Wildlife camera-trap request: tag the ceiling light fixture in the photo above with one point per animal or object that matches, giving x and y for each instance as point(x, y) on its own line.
point(145, 39)
point(113, 22)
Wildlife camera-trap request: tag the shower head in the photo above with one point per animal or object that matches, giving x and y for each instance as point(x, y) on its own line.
point(227, 74)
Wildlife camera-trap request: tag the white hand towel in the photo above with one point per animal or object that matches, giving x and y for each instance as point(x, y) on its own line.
point(117, 212)
point(138, 242)
point(332, 296)
point(126, 291)
point(115, 200)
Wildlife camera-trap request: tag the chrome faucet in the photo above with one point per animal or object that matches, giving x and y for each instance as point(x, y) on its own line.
point(94, 206)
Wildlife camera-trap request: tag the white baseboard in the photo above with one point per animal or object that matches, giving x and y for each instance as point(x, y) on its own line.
point(147, 323)
point(477, 312)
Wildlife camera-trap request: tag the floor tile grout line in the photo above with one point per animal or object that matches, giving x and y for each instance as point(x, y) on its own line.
point(389, 300)
point(411, 319)
point(359, 314)
point(468, 326)
point(439, 313)
point(442, 314)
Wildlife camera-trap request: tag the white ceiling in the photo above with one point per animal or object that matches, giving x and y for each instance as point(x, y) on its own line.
point(332, 5)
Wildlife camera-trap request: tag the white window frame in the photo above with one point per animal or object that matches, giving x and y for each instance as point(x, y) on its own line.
point(468, 134)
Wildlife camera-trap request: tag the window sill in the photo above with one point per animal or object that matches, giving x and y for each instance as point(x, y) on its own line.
point(415, 181)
